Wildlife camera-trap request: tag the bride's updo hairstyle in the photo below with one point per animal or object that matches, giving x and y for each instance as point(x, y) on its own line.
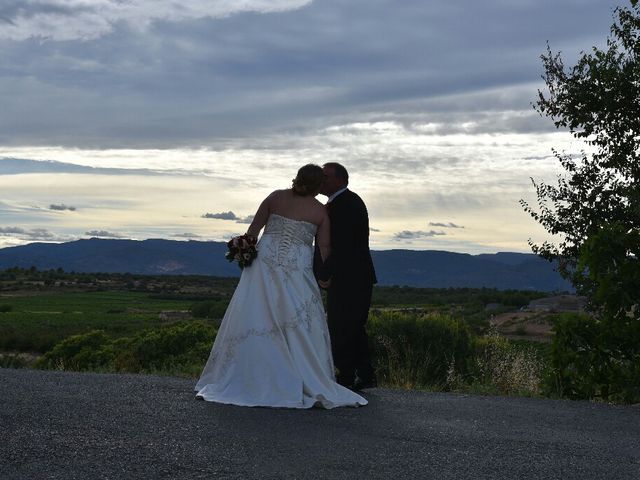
point(308, 180)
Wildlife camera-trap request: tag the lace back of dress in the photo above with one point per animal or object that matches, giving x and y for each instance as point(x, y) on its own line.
point(286, 237)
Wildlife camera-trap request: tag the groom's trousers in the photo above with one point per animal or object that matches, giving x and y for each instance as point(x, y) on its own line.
point(347, 312)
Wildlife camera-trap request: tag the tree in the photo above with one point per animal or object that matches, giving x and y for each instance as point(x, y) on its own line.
point(594, 209)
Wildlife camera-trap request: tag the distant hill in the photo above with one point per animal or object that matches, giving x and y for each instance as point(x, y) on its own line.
point(418, 268)
point(153, 257)
point(438, 269)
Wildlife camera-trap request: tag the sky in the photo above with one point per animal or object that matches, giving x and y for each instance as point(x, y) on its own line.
point(162, 119)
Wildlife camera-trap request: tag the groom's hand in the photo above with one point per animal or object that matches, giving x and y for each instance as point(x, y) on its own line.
point(324, 284)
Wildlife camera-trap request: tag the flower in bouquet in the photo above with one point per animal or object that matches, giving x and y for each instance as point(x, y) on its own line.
point(242, 249)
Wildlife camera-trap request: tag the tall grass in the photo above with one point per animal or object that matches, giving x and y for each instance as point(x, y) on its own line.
point(415, 349)
point(505, 367)
point(438, 352)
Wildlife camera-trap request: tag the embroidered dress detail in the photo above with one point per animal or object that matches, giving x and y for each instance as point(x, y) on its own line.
point(289, 253)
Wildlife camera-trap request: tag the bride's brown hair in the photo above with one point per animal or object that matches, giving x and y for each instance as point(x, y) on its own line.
point(308, 180)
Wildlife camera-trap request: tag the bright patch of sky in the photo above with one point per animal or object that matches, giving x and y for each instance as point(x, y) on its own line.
point(144, 119)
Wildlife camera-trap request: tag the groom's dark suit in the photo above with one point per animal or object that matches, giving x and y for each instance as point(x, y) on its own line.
point(349, 295)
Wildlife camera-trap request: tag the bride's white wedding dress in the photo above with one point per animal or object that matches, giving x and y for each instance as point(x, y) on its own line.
point(273, 347)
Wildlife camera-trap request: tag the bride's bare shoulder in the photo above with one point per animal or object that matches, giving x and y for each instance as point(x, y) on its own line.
point(277, 193)
point(277, 196)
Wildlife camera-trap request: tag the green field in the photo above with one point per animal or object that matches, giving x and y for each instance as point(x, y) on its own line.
point(37, 322)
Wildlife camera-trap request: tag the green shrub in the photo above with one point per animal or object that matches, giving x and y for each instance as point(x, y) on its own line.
point(90, 351)
point(210, 309)
point(179, 349)
point(418, 350)
point(175, 345)
point(592, 360)
point(5, 308)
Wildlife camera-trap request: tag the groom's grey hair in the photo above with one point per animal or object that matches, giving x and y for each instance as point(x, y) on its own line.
point(340, 171)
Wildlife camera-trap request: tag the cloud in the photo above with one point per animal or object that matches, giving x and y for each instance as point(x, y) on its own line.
point(65, 20)
point(193, 73)
point(32, 235)
point(229, 216)
point(61, 207)
point(434, 117)
point(412, 235)
point(186, 235)
point(371, 229)
point(222, 216)
point(20, 166)
point(445, 225)
point(248, 219)
point(102, 233)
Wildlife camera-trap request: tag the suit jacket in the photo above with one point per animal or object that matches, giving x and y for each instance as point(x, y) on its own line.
point(350, 254)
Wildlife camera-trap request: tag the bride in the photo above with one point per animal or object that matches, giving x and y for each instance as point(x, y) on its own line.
point(273, 347)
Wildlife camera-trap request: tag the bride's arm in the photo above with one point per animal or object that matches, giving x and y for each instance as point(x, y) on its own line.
point(261, 216)
point(322, 253)
point(323, 237)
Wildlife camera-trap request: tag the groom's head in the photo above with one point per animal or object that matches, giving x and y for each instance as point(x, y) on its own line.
point(336, 177)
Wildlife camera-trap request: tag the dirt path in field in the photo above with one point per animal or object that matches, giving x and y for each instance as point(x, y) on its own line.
point(536, 326)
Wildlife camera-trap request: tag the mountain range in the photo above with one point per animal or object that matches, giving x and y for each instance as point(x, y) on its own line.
point(416, 268)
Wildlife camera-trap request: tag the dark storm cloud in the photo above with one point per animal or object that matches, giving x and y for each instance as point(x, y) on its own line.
point(172, 79)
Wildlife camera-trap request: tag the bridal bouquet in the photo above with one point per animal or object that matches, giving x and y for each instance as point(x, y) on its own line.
point(242, 249)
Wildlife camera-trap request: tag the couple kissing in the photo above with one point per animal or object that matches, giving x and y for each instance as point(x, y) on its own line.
point(276, 347)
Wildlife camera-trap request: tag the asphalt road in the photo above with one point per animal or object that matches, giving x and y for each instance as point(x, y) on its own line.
point(57, 425)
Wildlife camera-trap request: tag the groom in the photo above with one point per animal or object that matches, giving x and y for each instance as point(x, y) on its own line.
point(352, 278)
